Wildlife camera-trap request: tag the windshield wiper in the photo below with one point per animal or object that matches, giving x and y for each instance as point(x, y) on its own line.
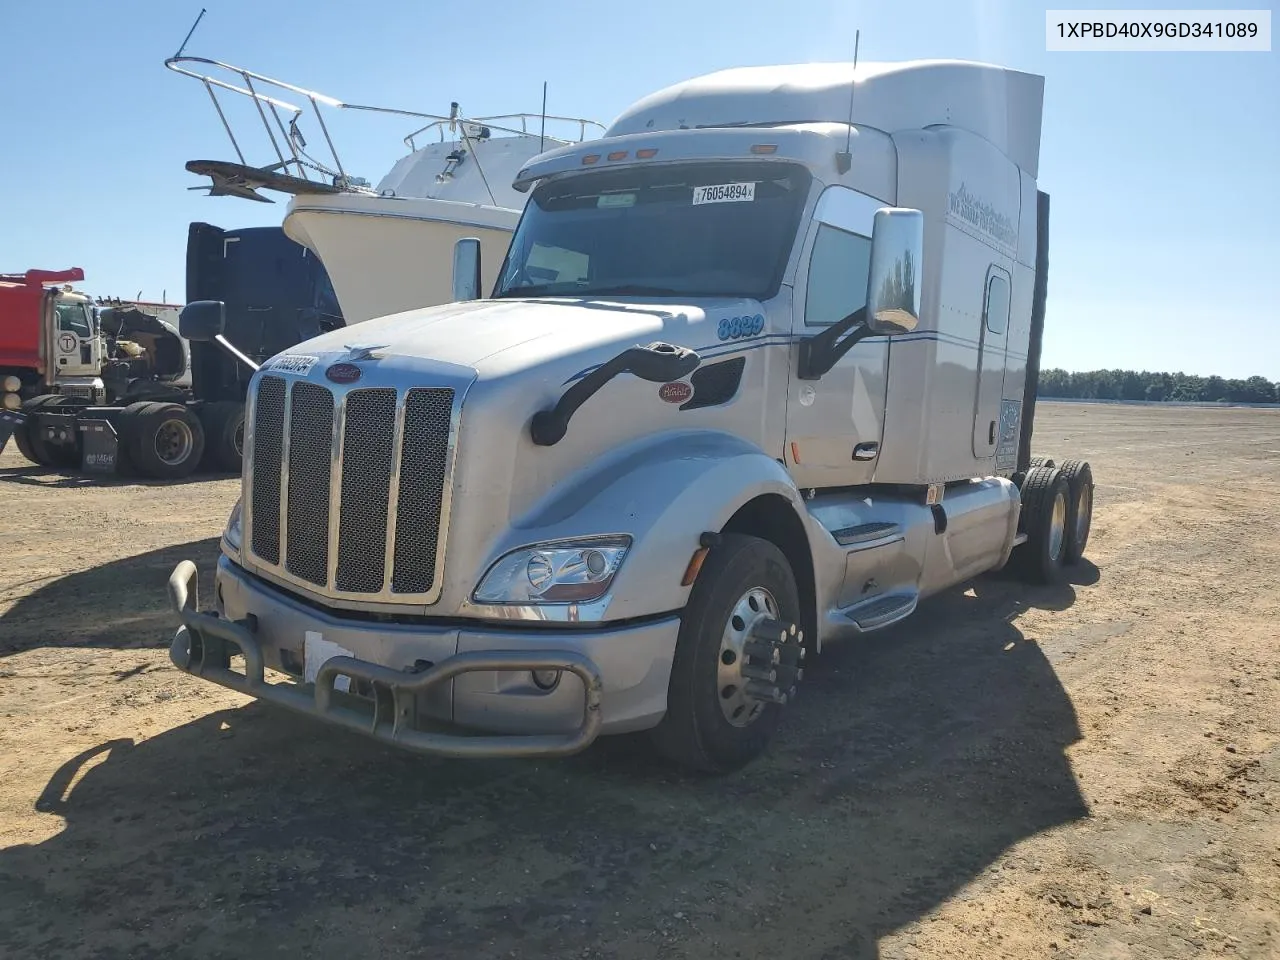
point(629, 290)
point(566, 290)
point(531, 290)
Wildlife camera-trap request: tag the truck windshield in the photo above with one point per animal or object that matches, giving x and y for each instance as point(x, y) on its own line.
point(695, 229)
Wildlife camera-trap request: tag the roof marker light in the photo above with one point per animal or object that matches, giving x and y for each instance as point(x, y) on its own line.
point(618, 155)
point(590, 158)
point(646, 153)
point(764, 148)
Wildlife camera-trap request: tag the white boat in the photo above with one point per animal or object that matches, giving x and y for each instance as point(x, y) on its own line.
point(390, 247)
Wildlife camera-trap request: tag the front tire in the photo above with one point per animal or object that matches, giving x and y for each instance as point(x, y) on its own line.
point(717, 718)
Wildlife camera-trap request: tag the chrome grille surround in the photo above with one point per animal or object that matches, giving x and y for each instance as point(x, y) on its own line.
point(378, 486)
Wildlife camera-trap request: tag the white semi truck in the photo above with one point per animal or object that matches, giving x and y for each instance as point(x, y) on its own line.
point(758, 375)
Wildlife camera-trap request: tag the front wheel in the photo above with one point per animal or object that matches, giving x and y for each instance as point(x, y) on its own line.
point(737, 658)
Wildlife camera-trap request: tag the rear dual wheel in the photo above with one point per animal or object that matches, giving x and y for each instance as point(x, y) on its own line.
point(1057, 513)
point(22, 434)
point(1079, 507)
point(40, 449)
point(223, 422)
point(163, 440)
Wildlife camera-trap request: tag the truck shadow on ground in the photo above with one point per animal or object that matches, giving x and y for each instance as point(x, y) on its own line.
point(910, 763)
point(35, 476)
point(118, 604)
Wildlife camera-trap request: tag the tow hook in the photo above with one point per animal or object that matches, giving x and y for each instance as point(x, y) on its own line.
point(774, 654)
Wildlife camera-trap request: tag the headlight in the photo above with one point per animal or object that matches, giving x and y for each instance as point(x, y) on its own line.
point(232, 534)
point(11, 384)
point(563, 571)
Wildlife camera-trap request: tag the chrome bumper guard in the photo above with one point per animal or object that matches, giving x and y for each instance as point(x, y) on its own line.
point(200, 648)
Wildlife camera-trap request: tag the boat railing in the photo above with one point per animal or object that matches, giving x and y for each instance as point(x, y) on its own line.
point(281, 119)
point(507, 123)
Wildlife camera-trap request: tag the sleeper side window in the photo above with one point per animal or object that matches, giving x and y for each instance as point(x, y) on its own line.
point(838, 269)
point(997, 313)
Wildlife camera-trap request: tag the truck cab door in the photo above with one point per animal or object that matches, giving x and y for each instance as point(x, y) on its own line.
point(994, 342)
point(834, 424)
point(76, 345)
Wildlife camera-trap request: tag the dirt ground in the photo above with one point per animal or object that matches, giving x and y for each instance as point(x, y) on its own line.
point(1088, 771)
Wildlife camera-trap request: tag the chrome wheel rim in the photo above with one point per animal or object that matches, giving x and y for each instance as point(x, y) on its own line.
point(1057, 526)
point(174, 442)
point(1084, 514)
point(753, 606)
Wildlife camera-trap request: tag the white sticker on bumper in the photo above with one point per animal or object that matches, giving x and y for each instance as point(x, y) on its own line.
point(315, 651)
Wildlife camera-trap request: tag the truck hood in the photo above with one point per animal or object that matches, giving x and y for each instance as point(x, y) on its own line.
point(499, 337)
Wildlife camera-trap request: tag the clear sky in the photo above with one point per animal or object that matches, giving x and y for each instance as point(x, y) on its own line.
point(1164, 169)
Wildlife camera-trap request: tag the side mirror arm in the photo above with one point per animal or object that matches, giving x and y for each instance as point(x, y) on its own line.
point(821, 352)
point(657, 363)
point(235, 352)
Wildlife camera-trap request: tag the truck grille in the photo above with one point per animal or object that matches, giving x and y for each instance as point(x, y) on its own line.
point(384, 453)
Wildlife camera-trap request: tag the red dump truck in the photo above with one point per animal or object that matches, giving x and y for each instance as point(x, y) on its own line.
point(63, 354)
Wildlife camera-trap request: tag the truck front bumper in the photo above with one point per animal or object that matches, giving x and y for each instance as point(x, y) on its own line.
point(441, 690)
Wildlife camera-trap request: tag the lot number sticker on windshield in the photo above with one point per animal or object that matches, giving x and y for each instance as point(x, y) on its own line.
point(724, 193)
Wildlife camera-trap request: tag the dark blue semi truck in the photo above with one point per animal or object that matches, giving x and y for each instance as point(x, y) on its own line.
point(276, 293)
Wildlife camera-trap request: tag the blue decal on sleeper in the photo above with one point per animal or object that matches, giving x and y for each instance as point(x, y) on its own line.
point(738, 328)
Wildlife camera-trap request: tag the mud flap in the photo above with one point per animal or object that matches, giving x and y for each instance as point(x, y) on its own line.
point(101, 447)
point(10, 420)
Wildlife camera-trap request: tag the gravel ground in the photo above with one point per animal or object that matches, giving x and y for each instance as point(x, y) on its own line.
point(1087, 771)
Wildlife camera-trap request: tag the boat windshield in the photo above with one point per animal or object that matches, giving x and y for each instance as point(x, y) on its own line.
point(721, 229)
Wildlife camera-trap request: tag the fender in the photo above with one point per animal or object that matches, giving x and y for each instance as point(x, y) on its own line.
point(664, 491)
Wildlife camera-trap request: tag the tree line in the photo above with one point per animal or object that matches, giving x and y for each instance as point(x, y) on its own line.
point(1144, 385)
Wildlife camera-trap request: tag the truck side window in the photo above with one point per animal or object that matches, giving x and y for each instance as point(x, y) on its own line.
point(71, 319)
point(997, 303)
point(838, 271)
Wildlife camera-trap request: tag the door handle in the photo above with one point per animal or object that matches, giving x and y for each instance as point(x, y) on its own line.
point(991, 434)
point(866, 450)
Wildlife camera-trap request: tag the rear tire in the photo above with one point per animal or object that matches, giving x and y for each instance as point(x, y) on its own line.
point(59, 456)
point(697, 732)
point(1079, 508)
point(22, 435)
point(1045, 503)
point(1041, 462)
point(223, 422)
point(165, 440)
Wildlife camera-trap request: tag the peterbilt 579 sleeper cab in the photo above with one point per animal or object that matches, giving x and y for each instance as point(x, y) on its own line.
point(752, 380)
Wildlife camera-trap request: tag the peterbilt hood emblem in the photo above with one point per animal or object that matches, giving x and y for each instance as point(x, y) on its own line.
point(343, 372)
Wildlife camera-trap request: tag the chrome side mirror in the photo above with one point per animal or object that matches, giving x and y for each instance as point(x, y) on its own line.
point(466, 269)
point(893, 283)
